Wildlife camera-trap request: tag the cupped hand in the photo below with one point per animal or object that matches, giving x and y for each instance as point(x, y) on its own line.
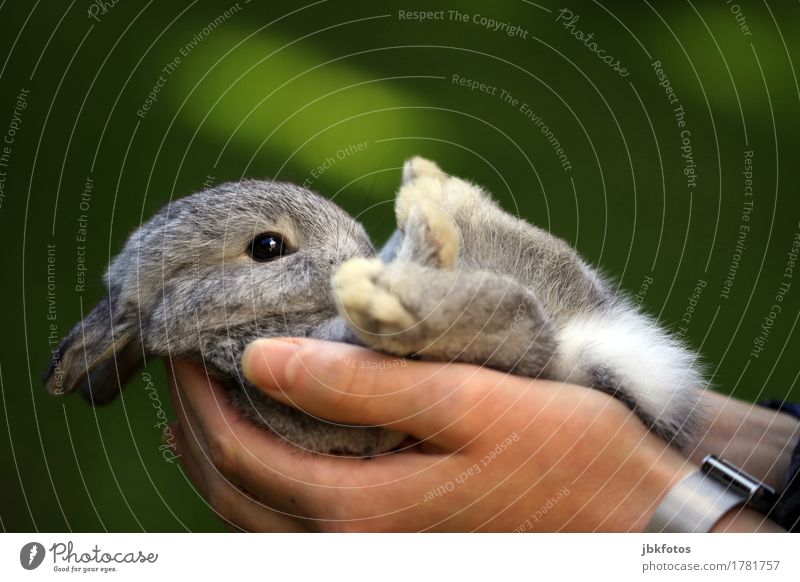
point(495, 452)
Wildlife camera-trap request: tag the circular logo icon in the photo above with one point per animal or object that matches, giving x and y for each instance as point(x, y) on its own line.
point(31, 555)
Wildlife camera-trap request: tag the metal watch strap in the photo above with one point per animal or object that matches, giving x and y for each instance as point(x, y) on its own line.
point(694, 504)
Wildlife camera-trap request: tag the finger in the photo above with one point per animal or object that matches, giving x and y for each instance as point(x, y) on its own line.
point(216, 483)
point(285, 477)
point(192, 433)
point(231, 504)
point(344, 383)
point(190, 465)
point(222, 495)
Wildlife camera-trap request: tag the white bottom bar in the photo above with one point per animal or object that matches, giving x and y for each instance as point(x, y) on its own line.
point(355, 557)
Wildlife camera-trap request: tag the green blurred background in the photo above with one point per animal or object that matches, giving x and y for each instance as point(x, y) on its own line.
point(273, 89)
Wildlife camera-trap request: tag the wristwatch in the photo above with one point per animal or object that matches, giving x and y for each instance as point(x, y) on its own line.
point(699, 500)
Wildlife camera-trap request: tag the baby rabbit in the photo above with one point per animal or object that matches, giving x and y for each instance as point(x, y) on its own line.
point(460, 280)
point(207, 275)
point(470, 282)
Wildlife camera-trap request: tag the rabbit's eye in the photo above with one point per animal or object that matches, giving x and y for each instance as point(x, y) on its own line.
point(266, 247)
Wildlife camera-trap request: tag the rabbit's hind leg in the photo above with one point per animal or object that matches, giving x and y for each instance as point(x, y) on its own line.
point(367, 301)
point(417, 167)
point(422, 189)
point(462, 201)
point(407, 309)
point(431, 237)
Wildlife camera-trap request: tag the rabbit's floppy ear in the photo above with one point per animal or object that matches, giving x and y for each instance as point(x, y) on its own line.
point(98, 356)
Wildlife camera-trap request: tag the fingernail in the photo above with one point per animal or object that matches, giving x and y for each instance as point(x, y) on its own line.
point(257, 371)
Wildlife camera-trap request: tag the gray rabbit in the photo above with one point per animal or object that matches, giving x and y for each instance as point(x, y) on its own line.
point(460, 280)
point(207, 275)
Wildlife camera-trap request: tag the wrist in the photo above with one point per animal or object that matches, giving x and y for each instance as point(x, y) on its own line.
point(651, 468)
point(755, 438)
point(661, 474)
point(719, 497)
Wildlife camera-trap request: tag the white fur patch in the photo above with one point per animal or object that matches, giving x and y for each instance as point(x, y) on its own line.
point(652, 367)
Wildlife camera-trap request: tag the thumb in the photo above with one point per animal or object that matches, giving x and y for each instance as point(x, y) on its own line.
point(349, 384)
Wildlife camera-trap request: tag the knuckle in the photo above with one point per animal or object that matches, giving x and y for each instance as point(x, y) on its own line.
point(336, 373)
point(445, 383)
point(460, 388)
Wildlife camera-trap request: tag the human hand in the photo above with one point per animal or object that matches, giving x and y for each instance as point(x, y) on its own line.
point(499, 452)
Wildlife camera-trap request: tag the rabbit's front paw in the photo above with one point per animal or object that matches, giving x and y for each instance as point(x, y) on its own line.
point(366, 301)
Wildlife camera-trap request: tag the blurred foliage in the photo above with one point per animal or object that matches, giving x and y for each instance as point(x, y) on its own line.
point(276, 88)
